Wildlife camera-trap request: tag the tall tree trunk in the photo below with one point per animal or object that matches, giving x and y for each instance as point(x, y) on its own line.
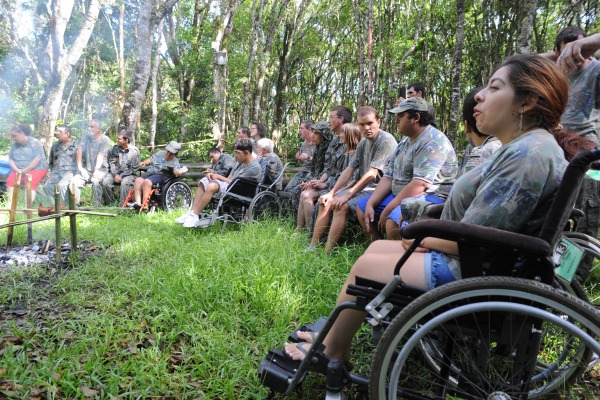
point(155, 69)
point(148, 21)
point(362, 43)
point(527, 19)
point(224, 26)
point(62, 62)
point(257, 12)
point(369, 92)
point(456, 71)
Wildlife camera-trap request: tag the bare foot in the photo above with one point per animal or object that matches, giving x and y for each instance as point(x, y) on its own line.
point(297, 351)
point(307, 336)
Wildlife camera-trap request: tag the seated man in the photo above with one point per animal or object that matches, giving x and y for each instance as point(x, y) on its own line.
point(481, 146)
point(304, 156)
point(371, 158)
point(424, 158)
point(213, 184)
point(269, 162)
point(90, 156)
point(163, 165)
point(118, 167)
point(222, 163)
point(62, 164)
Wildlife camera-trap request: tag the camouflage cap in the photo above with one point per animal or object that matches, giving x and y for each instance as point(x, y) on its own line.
point(412, 103)
point(323, 129)
point(173, 147)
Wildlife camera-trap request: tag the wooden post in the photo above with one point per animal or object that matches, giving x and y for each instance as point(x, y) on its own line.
point(28, 201)
point(13, 208)
point(57, 223)
point(73, 220)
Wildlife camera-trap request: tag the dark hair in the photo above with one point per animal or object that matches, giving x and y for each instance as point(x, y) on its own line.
point(469, 104)
point(343, 112)
point(243, 145)
point(536, 77)
point(65, 128)
point(245, 130)
point(22, 128)
point(425, 118)
point(214, 150)
point(568, 35)
point(419, 87)
point(307, 123)
point(260, 129)
point(365, 110)
point(126, 135)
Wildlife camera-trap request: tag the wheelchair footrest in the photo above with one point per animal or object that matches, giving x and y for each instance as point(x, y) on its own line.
point(277, 371)
point(316, 327)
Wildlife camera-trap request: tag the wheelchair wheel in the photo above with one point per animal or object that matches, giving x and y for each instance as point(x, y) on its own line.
point(264, 205)
point(484, 354)
point(176, 195)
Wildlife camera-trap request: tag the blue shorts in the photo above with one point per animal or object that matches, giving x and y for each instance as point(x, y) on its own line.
point(397, 213)
point(362, 204)
point(437, 271)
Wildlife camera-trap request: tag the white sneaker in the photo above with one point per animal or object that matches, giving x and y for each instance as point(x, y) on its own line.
point(191, 221)
point(196, 222)
point(182, 219)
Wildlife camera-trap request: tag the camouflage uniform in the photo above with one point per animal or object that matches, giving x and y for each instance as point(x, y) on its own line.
point(304, 174)
point(119, 162)
point(90, 149)
point(160, 166)
point(512, 190)
point(413, 207)
point(224, 165)
point(272, 167)
point(63, 167)
point(582, 116)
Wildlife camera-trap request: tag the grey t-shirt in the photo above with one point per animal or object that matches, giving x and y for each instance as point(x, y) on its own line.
point(23, 154)
point(91, 148)
point(374, 154)
point(582, 114)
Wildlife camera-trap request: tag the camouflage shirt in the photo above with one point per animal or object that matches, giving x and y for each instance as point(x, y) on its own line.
point(23, 154)
point(308, 149)
point(63, 158)
point(582, 114)
point(91, 148)
point(512, 190)
point(252, 170)
point(159, 165)
point(272, 166)
point(430, 157)
point(224, 165)
point(334, 157)
point(119, 161)
point(373, 154)
point(478, 154)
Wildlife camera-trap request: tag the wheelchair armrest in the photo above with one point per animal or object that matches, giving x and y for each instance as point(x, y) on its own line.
point(434, 211)
point(477, 235)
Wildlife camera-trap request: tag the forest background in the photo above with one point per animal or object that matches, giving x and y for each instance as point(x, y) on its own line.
point(196, 70)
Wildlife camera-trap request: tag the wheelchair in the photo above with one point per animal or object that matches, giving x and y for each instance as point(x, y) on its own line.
point(247, 200)
point(171, 194)
point(507, 330)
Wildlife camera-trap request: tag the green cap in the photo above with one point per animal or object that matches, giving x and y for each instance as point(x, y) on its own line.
point(323, 129)
point(412, 103)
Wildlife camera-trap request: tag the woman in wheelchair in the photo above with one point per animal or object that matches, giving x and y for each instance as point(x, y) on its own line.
point(512, 190)
point(161, 166)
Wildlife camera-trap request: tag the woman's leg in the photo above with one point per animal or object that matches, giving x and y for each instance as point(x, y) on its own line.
point(321, 224)
point(377, 263)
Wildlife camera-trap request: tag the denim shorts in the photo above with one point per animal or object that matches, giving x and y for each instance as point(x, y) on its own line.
point(437, 271)
point(362, 204)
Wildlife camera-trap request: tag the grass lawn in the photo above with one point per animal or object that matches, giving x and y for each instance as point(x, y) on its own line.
point(160, 311)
